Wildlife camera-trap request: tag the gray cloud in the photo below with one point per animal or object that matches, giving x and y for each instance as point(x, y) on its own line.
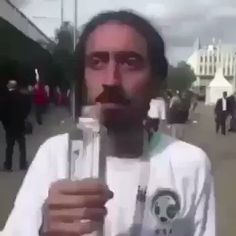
point(183, 22)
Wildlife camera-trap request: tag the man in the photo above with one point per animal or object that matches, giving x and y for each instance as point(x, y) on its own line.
point(175, 99)
point(3, 97)
point(40, 101)
point(17, 109)
point(177, 116)
point(156, 114)
point(221, 113)
point(232, 112)
point(194, 104)
point(123, 53)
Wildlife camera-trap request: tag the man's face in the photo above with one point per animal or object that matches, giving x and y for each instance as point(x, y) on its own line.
point(225, 95)
point(116, 55)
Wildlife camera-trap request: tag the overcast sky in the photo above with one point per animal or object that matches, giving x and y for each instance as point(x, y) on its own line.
point(180, 21)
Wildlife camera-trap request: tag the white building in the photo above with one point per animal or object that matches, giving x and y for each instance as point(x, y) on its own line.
point(206, 60)
point(16, 18)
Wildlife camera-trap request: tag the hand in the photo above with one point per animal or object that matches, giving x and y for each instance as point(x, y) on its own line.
point(76, 207)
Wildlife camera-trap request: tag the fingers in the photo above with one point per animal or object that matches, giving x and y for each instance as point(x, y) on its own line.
point(85, 187)
point(63, 201)
point(75, 228)
point(75, 207)
point(70, 215)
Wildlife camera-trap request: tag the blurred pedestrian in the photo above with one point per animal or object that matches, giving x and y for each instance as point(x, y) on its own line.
point(157, 113)
point(17, 109)
point(194, 104)
point(222, 110)
point(177, 117)
point(232, 112)
point(40, 101)
point(186, 104)
point(3, 103)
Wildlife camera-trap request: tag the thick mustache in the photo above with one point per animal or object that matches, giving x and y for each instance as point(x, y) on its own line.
point(112, 94)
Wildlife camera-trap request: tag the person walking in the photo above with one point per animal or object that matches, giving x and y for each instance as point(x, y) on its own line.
point(3, 103)
point(194, 104)
point(16, 111)
point(186, 104)
point(221, 113)
point(177, 117)
point(157, 114)
point(40, 101)
point(232, 111)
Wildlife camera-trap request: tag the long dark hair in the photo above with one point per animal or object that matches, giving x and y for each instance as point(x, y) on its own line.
point(155, 43)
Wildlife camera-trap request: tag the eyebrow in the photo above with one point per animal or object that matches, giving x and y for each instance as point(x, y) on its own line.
point(100, 54)
point(119, 54)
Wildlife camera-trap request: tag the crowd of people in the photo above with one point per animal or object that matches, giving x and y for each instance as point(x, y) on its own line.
point(43, 95)
point(16, 104)
point(175, 110)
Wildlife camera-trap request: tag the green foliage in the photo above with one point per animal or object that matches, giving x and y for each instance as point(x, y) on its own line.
point(180, 77)
point(63, 56)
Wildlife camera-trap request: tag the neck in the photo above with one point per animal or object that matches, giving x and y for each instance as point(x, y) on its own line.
point(125, 143)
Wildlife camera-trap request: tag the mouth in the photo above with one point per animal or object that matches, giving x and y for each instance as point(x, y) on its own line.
point(113, 97)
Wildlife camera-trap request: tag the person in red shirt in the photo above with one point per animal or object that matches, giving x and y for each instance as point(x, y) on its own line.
point(40, 101)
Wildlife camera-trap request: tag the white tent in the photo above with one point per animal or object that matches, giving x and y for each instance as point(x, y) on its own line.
point(217, 86)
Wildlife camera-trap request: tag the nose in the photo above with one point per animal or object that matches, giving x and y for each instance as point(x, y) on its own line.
point(113, 76)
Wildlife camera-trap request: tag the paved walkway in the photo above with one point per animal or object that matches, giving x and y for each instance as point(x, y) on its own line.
point(56, 121)
point(221, 150)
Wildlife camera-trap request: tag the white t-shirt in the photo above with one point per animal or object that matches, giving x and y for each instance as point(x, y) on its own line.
point(180, 195)
point(157, 109)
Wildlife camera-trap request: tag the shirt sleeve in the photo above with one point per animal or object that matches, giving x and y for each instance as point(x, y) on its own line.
point(26, 216)
point(204, 218)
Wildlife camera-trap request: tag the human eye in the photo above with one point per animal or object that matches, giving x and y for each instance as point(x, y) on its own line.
point(131, 62)
point(96, 63)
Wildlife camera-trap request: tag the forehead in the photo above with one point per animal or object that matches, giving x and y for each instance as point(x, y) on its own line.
point(114, 36)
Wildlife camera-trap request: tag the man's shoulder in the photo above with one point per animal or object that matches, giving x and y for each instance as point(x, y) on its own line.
point(56, 141)
point(181, 154)
point(53, 150)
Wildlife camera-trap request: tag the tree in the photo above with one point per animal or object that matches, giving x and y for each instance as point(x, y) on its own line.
point(180, 77)
point(49, 46)
point(63, 56)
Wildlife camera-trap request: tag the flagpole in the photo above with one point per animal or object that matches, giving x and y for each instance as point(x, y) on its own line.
point(62, 11)
point(75, 22)
point(74, 42)
point(234, 75)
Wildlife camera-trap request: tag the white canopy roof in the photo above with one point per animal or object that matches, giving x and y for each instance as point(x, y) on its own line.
point(220, 80)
